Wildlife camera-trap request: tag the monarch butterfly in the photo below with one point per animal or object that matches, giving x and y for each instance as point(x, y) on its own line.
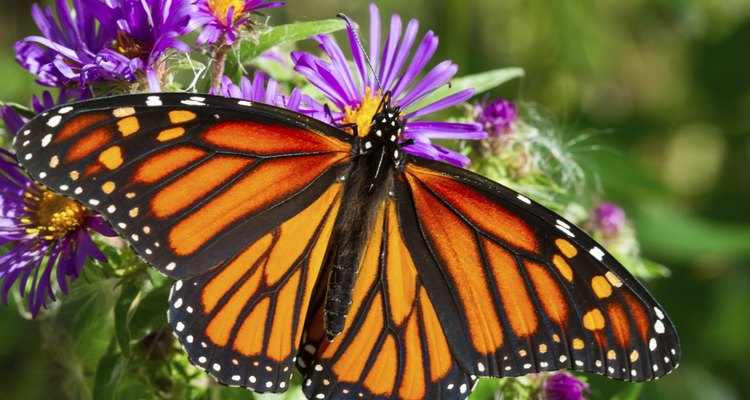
point(376, 273)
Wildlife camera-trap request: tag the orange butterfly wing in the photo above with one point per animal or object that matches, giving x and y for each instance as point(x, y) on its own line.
point(243, 320)
point(189, 181)
point(234, 199)
point(519, 289)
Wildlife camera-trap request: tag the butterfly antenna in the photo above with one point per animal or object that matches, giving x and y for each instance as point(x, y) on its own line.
point(355, 33)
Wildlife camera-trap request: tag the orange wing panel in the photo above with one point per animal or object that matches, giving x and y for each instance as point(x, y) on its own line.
point(482, 211)
point(161, 165)
point(199, 182)
point(266, 184)
point(513, 292)
point(256, 138)
point(88, 144)
point(457, 247)
point(78, 124)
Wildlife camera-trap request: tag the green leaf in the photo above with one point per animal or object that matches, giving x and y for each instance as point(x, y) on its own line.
point(128, 293)
point(251, 48)
point(78, 336)
point(630, 392)
point(109, 373)
point(151, 312)
point(481, 82)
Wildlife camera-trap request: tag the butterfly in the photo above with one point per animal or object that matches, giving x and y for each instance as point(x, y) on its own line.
point(374, 272)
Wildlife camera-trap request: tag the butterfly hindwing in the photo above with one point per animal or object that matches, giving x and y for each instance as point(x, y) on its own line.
point(393, 345)
point(188, 180)
point(242, 320)
point(529, 291)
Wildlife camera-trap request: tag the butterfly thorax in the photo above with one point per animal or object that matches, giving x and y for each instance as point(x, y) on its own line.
point(376, 159)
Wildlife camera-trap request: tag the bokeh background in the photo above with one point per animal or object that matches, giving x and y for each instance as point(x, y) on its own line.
point(664, 86)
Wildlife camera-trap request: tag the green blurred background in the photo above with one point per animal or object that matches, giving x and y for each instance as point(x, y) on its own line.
point(664, 85)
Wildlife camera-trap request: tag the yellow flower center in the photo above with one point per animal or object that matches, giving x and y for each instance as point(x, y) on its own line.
point(220, 9)
point(362, 115)
point(130, 47)
point(52, 216)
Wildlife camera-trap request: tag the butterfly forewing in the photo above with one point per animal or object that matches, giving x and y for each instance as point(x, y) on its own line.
point(530, 291)
point(188, 180)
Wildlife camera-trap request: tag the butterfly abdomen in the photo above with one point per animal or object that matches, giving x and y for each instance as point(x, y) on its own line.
point(366, 186)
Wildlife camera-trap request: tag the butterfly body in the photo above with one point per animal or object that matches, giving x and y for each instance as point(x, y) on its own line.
point(376, 159)
point(282, 232)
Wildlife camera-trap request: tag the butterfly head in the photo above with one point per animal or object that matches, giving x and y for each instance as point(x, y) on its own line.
point(386, 131)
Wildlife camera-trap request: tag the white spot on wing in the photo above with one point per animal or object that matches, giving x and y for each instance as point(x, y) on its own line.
point(659, 313)
point(245, 103)
point(170, 266)
point(659, 326)
point(54, 121)
point(597, 253)
point(524, 199)
point(65, 110)
point(565, 230)
point(46, 139)
point(192, 103)
point(153, 101)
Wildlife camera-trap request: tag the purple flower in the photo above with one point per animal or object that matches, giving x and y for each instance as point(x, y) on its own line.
point(356, 95)
point(66, 53)
point(144, 30)
point(120, 40)
point(562, 386)
point(225, 17)
point(609, 219)
point(498, 116)
point(47, 236)
point(257, 90)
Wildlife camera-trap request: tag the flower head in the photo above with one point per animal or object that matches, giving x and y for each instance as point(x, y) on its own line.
point(609, 219)
point(498, 116)
point(120, 40)
point(225, 17)
point(143, 30)
point(357, 94)
point(47, 235)
point(65, 54)
point(257, 90)
point(562, 386)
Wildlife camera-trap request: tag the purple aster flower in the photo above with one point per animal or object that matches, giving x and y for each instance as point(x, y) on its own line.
point(562, 386)
point(609, 219)
point(47, 236)
point(144, 30)
point(257, 90)
point(120, 40)
point(498, 116)
point(225, 17)
point(63, 57)
point(355, 95)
